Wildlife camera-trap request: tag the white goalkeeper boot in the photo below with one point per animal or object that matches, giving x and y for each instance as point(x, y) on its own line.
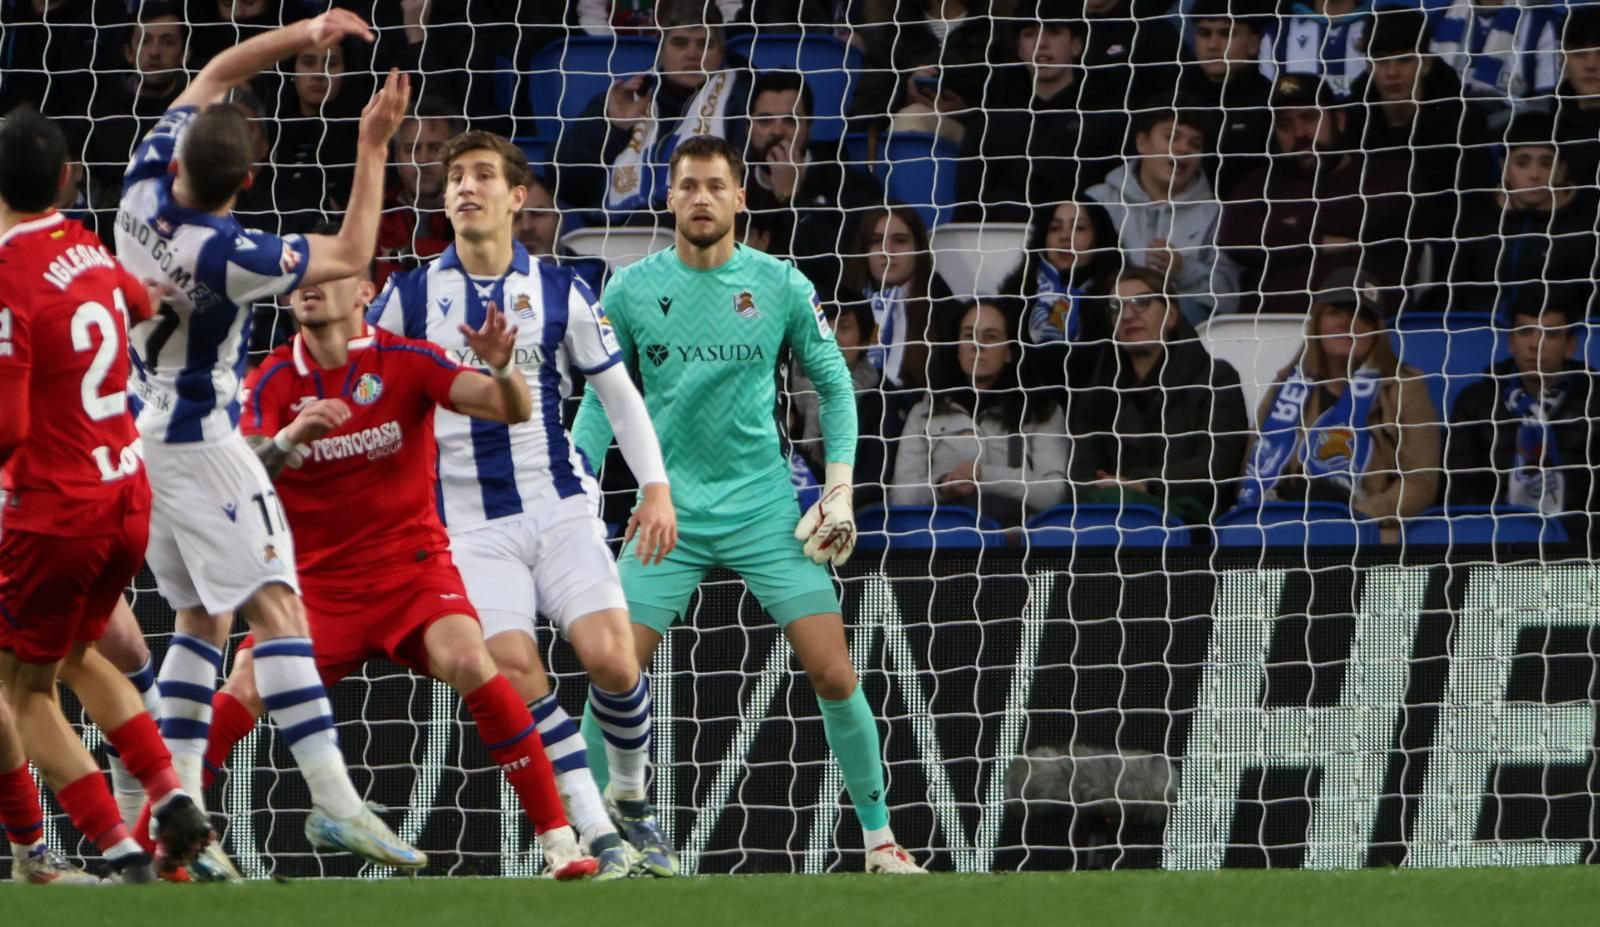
point(892, 859)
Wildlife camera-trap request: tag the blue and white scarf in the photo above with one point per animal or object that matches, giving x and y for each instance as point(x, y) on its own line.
point(888, 350)
point(1307, 42)
point(639, 174)
point(1056, 309)
point(1337, 446)
point(1536, 477)
point(1504, 51)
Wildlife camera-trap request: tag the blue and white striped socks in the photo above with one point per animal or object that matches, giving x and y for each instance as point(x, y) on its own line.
point(624, 721)
point(286, 677)
point(565, 748)
point(188, 680)
point(125, 786)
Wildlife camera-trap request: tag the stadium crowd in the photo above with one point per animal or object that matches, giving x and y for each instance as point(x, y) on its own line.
point(1373, 169)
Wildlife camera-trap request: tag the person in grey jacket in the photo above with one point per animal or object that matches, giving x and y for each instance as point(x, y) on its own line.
point(1160, 422)
point(1165, 212)
point(977, 439)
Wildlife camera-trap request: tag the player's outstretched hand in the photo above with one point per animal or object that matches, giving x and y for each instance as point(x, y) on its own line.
point(333, 26)
point(381, 118)
point(317, 419)
point(655, 522)
point(829, 527)
point(495, 342)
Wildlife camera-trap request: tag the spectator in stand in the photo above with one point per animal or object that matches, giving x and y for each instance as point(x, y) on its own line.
point(805, 197)
point(1538, 228)
point(1225, 77)
point(220, 24)
point(1526, 434)
point(414, 226)
point(1577, 100)
point(126, 105)
point(633, 17)
point(1320, 38)
point(49, 48)
point(851, 319)
point(1071, 254)
point(927, 62)
point(1165, 213)
point(454, 51)
point(1347, 422)
point(614, 157)
point(1316, 206)
point(1413, 112)
point(1046, 134)
point(1130, 51)
point(1160, 421)
point(314, 156)
point(892, 266)
point(1504, 51)
point(538, 228)
point(977, 438)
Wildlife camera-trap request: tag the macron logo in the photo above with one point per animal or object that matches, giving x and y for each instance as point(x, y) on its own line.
point(241, 243)
point(230, 510)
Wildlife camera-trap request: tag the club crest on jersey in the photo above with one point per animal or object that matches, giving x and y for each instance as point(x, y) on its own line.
point(524, 306)
point(745, 305)
point(367, 389)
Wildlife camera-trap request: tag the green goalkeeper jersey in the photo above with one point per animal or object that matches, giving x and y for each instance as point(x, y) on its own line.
point(707, 347)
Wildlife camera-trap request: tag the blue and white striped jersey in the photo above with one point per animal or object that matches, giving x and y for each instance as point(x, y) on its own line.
point(190, 358)
point(489, 470)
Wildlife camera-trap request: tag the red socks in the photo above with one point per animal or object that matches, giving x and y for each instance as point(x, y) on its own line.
point(230, 722)
point(94, 812)
point(20, 813)
point(145, 755)
point(508, 730)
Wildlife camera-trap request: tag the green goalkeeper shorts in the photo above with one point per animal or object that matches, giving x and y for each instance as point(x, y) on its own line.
point(761, 549)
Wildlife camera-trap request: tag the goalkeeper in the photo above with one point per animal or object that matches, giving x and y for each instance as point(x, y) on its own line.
point(704, 326)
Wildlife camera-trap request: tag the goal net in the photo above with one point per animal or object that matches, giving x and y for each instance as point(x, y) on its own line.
point(1223, 382)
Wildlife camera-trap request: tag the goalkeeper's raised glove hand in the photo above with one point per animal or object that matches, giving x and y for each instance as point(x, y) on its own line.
point(829, 528)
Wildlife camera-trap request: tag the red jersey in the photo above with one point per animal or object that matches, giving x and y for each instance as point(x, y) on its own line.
point(362, 499)
point(64, 314)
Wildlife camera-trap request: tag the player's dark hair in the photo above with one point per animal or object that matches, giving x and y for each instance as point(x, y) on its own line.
point(706, 147)
point(32, 153)
point(215, 156)
point(513, 161)
point(783, 82)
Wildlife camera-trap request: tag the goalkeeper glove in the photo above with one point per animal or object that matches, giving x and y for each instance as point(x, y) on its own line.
point(829, 528)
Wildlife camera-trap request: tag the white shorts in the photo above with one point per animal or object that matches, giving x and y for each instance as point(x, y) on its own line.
point(217, 530)
point(553, 562)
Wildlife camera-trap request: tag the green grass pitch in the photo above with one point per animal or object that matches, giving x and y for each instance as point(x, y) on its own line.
point(1410, 898)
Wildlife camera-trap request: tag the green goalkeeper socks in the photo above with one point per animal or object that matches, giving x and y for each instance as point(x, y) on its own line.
point(852, 732)
point(595, 740)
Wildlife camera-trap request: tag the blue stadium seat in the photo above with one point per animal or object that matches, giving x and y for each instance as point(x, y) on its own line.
point(1105, 524)
point(1453, 349)
point(564, 76)
point(1294, 524)
point(923, 527)
point(829, 65)
point(919, 168)
point(1483, 524)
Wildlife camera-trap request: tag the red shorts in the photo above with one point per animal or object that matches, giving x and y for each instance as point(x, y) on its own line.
point(386, 616)
point(56, 591)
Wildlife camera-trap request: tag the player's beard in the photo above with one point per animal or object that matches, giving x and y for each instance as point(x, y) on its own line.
point(717, 233)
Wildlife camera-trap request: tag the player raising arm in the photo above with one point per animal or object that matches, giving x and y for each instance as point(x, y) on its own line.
point(342, 417)
point(217, 541)
point(709, 372)
point(77, 511)
point(518, 502)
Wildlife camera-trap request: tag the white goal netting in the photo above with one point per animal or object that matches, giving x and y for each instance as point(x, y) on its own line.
point(1228, 418)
